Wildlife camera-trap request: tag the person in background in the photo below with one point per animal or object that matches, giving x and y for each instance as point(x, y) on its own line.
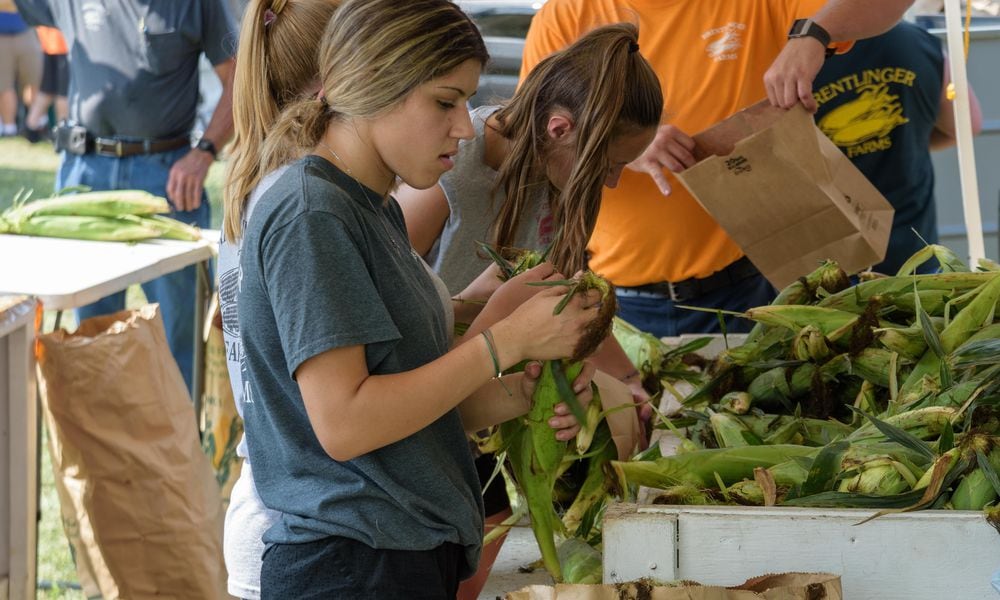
point(713, 58)
point(885, 105)
point(532, 176)
point(20, 66)
point(54, 87)
point(275, 66)
point(355, 405)
point(133, 94)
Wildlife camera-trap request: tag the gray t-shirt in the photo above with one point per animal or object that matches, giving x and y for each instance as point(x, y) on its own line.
point(472, 206)
point(134, 64)
point(322, 269)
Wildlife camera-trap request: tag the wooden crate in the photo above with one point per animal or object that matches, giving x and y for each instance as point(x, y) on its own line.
point(926, 555)
point(18, 449)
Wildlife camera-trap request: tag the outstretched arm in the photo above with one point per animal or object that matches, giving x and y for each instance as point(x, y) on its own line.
point(789, 79)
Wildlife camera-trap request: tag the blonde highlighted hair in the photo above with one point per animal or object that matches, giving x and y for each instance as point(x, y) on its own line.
point(276, 64)
point(609, 90)
point(374, 53)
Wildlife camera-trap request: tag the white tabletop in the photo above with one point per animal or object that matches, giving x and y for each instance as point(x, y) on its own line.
point(66, 274)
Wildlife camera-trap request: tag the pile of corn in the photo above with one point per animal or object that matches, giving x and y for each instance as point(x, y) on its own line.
point(884, 394)
point(111, 216)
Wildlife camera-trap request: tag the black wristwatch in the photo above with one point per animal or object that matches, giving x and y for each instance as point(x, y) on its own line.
point(206, 145)
point(808, 28)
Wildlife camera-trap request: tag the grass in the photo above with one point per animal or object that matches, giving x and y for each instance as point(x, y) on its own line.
point(32, 167)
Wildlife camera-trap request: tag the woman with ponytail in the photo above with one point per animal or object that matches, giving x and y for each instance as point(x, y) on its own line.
point(532, 178)
point(355, 409)
point(276, 65)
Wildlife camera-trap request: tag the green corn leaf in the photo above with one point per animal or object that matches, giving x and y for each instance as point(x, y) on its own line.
point(977, 353)
point(852, 500)
point(824, 469)
point(988, 470)
point(566, 392)
point(901, 437)
point(505, 267)
point(930, 333)
point(947, 440)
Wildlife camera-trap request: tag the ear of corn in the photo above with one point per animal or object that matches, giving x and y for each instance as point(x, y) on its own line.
point(114, 216)
point(114, 203)
point(108, 229)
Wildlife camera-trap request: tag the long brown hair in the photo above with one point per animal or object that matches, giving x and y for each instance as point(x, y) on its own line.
point(275, 64)
point(609, 89)
point(374, 53)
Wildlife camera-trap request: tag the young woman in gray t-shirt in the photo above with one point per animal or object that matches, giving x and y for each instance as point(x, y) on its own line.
point(353, 397)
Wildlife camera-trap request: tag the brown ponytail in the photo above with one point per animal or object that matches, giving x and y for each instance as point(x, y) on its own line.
point(609, 89)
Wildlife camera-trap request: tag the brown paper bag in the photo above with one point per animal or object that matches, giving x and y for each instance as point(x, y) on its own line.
point(221, 425)
point(785, 586)
point(787, 195)
point(143, 509)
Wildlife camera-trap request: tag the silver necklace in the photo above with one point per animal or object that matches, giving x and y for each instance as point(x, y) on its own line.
point(364, 192)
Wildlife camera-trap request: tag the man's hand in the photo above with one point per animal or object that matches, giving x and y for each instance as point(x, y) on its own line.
point(789, 79)
point(671, 148)
point(187, 179)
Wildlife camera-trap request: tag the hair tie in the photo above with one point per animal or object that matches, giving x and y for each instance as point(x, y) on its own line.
point(633, 46)
point(269, 17)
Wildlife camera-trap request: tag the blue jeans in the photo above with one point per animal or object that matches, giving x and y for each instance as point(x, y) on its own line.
point(174, 292)
point(660, 316)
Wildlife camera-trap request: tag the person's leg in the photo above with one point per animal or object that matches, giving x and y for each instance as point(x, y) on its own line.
point(8, 95)
point(8, 112)
point(29, 65)
point(174, 292)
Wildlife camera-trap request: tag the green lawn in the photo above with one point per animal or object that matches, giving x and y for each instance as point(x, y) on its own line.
point(32, 167)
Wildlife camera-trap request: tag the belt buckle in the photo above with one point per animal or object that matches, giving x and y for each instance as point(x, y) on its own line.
point(673, 294)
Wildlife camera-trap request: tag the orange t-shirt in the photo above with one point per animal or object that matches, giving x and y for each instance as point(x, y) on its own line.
point(710, 56)
point(51, 40)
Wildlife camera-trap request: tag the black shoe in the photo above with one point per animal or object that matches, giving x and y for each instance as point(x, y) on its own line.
point(35, 135)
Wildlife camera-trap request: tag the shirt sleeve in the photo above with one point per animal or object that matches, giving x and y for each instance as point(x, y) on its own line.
point(218, 31)
point(36, 12)
point(321, 291)
point(545, 35)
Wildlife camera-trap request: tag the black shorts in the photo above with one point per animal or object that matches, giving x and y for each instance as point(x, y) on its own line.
point(495, 496)
point(55, 75)
point(342, 568)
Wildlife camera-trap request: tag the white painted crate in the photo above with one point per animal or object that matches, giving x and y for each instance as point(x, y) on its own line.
point(927, 555)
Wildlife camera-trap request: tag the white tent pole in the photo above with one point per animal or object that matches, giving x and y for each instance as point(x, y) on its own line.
point(963, 130)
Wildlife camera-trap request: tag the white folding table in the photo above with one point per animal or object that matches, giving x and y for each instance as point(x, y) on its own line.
point(64, 274)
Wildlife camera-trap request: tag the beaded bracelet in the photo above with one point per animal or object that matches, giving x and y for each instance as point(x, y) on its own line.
point(491, 347)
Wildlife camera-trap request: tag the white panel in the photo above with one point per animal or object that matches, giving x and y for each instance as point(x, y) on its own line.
point(929, 555)
point(638, 545)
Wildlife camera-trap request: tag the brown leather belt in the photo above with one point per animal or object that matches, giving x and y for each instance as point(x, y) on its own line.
point(75, 139)
point(120, 148)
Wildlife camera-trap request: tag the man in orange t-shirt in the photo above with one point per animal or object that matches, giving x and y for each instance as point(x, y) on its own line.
point(713, 57)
